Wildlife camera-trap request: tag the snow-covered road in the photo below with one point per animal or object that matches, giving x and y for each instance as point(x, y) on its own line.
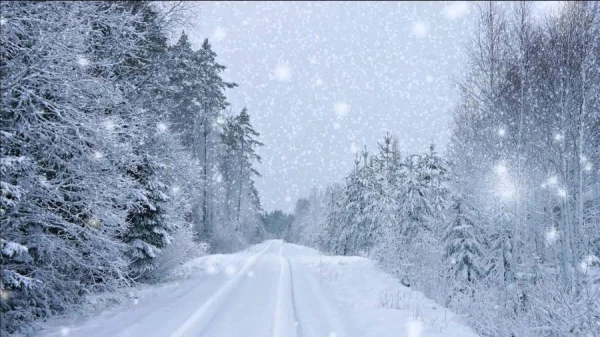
point(273, 289)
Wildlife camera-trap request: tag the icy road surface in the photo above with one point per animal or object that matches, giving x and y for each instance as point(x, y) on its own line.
point(273, 289)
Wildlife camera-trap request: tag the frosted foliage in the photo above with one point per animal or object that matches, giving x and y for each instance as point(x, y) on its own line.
point(454, 144)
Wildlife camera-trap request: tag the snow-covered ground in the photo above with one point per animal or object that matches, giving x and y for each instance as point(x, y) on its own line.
point(272, 289)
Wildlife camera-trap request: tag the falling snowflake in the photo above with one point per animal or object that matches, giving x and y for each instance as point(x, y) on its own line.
point(341, 109)
point(136, 301)
point(353, 148)
point(94, 223)
point(313, 60)
point(456, 10)
point(288, 199)
point(82, 61)
point(420, 29)
point(219, 34)
point(551, 236)
point(161, 127)
point(558, 137)
point(175, 189)
point(501, 132)
point(553, 180)
point(109, 125)
point(501, 169)
point(415, 327)
point(230, 269)
point(561, 192)
point(336, 125)
point(588, 167)
point(98, 155)
point(429, 79)
point(4, 294)
point(2, 21)
point(251, 274)
point(588, 263)
point(283, 72)
point(64, 331)
point(318, 82)
point(211, 269)
point(217, 178)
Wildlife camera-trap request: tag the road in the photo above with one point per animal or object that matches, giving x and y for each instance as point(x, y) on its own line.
point(273, 289)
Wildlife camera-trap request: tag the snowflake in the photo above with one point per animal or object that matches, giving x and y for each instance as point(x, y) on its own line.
point(353, 148)
point(175, 189)
point(251, 274)
point(283, 72)
point(136, 301)
point(588, 167)
point(2, 21)
point(558, 137)
point(553, 180)
point(161, 127)
point(318, 82)
point(455, 10)
point(501, 132)
point(588, 263)
point(429, 79)
point(211, 269)
point(561, 192)
point(4, 294)
point(419, 28)
point(313, 60)
point(288, 199)
point(551, 236)
point(82, 61)
point(98, 155)
point(94, 223)
point(217, 178)
point(230, 269)
point(415, 327)
point(109, 125)
point(64, 331)
point(336, 125)
point(219, 34)
point(501, 169)
point(341, 109)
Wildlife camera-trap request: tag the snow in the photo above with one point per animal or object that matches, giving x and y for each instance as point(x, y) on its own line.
point(420, 29)
point(341, 109)
point(456, 10)
point(219, 34)
point(277, 289)
point(161, 127)
point(11, 248)
point(551, 236)
point(283, 72)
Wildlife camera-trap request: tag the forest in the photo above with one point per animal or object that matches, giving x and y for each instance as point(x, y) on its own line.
point(504, 227)
point(121, 158)
point(119, 155)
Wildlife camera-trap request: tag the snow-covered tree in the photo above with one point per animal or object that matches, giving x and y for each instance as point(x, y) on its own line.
point(463, 249)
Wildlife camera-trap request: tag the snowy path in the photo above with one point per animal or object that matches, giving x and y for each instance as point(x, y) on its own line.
point(273, 289)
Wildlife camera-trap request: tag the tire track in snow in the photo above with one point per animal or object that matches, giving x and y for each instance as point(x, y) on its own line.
point(204, 310)
point(285, 321)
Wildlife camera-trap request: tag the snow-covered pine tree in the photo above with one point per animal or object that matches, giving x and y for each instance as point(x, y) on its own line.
point(463, 249)
point(148, 230)
point(414, 198)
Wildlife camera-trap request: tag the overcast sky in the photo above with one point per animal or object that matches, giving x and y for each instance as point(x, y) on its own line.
point(321, 80)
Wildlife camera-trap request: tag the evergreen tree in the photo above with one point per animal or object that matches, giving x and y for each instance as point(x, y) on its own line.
point(149, 231)
point(462, 247)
